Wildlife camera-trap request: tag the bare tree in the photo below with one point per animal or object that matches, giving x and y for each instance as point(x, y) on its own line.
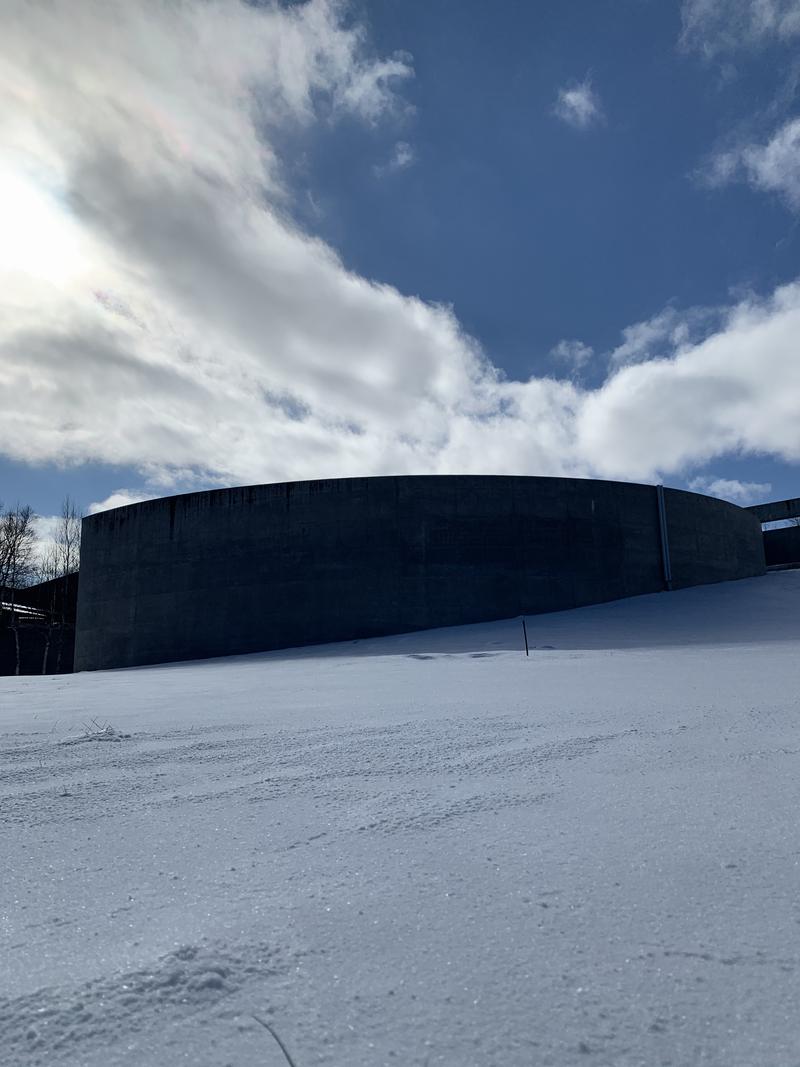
point(47, 570)
point(17, 563)
point(24, 559)
point(17, 543)
point(68, 538)
point(56, 564)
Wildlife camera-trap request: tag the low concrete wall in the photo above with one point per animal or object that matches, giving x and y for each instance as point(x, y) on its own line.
point(782, 546)
point(272, 566)
point(57, 598)
point(776, 510)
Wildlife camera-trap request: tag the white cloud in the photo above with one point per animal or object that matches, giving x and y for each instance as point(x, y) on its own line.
point(732, 489)
point(773, 166)
point(714, 26)
point(649, 339)
point(167, 314)
point(721, 168)
point(46, 528)
point(575, 354)
point(734, 391)
point(663, 335)
point(120, 498)
point(579, 105)
point(403, 156)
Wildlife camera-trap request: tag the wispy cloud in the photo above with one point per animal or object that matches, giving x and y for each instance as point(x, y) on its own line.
point(771, 166)
point(402, 157)
point(573, 354)
point(579, 105)
point(731, 489)
point(715, 26)
point(663, 335)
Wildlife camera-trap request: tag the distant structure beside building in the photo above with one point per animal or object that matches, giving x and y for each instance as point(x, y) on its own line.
point(37, 627)
point(781, 544)
point(273, 566)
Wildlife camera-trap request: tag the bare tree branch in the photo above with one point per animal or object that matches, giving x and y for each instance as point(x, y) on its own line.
point(17, 544)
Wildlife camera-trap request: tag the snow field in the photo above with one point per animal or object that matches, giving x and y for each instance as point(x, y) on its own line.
point(425, 850)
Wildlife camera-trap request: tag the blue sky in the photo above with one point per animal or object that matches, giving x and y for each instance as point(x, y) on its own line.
point(605, 226)
point(400, 237)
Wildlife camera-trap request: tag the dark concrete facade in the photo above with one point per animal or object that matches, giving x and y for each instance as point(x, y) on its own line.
point(272, 566)
point(776, 510)
point(782, 546)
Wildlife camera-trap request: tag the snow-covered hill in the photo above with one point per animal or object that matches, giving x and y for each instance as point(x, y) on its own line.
point(423, 850)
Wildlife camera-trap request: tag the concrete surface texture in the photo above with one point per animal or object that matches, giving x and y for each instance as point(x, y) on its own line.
point(776, 510)
point(274, 566)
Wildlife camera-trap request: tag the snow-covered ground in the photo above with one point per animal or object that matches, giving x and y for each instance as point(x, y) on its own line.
point(423, 850)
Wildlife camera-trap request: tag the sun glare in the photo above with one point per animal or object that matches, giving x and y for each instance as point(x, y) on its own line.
point(37, 236)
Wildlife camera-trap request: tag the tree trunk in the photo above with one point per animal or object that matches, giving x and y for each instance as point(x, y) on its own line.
point(15, 628)
point(46, 649)
point(59, 649)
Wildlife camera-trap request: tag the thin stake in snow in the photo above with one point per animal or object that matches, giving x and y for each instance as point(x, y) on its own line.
point(525, 634)
point(280, 1044)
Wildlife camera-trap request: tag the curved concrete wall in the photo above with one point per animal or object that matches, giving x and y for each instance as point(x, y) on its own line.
point(271, 566)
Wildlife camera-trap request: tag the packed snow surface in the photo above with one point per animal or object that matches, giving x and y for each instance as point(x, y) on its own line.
point(423, 850)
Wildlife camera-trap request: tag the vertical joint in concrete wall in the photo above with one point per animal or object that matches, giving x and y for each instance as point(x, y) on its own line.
point(662, 526)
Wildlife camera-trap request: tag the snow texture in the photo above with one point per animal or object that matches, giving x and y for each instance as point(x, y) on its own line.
point(424, 850)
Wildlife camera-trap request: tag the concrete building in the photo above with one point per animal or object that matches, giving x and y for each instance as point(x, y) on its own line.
point(273, 566)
